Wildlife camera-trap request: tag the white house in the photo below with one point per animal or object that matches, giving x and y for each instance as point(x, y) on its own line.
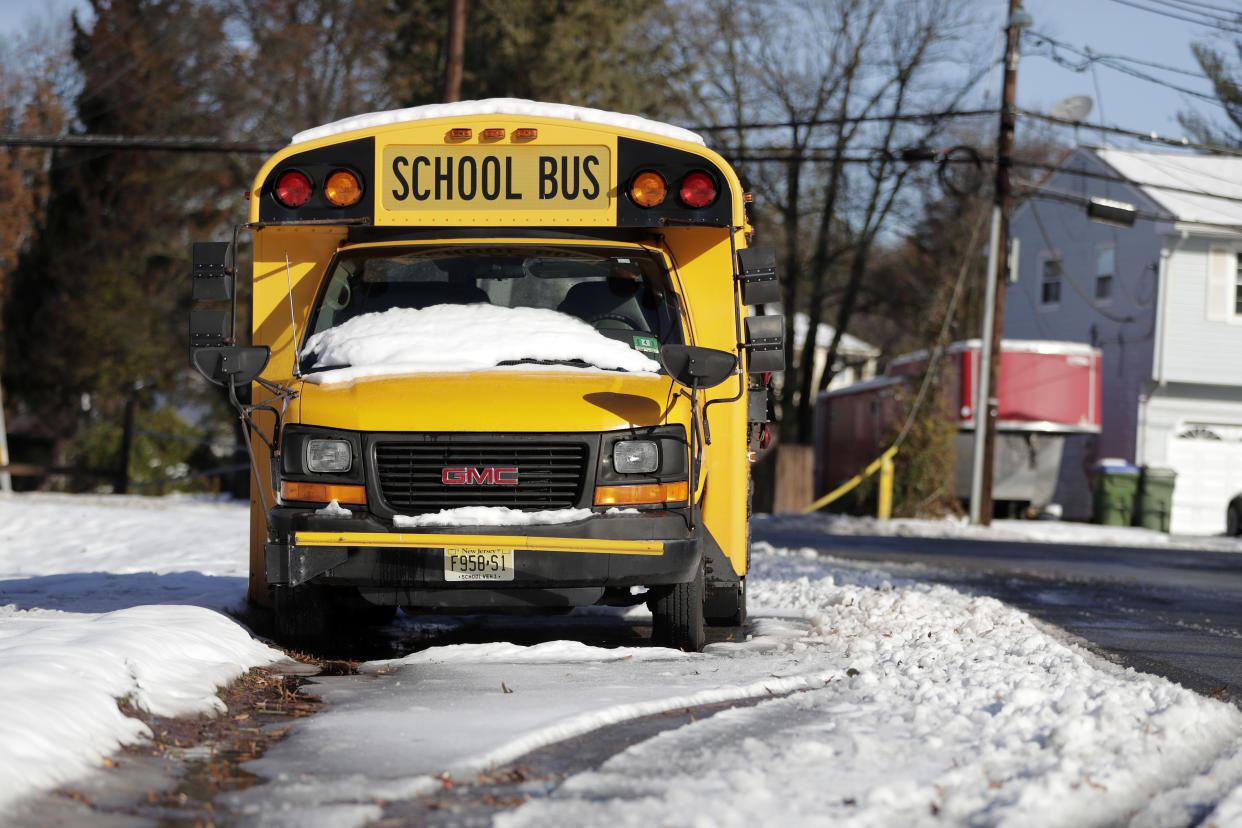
point(856, 359)
point(1162, 300)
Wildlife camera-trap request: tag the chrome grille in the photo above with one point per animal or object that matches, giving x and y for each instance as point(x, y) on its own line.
point(550, 475)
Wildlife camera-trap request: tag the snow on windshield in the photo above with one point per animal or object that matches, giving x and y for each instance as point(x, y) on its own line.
point(460, 338)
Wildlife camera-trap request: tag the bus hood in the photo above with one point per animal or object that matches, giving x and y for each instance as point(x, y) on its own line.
point(499, 400)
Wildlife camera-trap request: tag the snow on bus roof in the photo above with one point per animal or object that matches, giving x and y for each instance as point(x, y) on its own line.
point(498, 106)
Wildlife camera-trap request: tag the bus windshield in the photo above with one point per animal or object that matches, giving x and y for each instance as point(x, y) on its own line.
point(624, 293)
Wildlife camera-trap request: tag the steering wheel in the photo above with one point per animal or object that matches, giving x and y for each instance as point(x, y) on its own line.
point(615, 317)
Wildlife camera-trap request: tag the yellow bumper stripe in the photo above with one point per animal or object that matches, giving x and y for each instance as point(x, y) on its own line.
point(422, 541)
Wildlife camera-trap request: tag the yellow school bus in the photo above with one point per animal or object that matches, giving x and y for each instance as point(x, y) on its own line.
point(501, 360)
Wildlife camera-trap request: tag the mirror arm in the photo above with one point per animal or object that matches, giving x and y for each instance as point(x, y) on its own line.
point(696, 452)
point(233, 264)
point(248, 424)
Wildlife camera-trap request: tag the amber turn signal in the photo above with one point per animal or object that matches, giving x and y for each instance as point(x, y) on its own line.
point(343, 188)
point(322, 493)
point(645, 493)
point(648, 189)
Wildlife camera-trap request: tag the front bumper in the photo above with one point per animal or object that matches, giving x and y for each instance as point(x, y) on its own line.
point(553, 565)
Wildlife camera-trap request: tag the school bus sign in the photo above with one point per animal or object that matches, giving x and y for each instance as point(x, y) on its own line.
point(495, 179)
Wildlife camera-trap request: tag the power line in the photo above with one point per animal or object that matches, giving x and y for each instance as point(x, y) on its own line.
point(1152, 137)
point(1120, 179)
point(1118, 63)
point(172, 143)
point(1206, 20)
point(1047, 193)
point(1091, 56)
point(857, 119)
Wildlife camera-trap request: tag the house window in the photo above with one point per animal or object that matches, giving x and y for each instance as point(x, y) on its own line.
point(1237, 285)
point(1050, 289)
point(1105, 264)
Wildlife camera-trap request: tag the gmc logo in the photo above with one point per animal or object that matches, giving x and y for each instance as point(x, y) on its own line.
point(467, 476)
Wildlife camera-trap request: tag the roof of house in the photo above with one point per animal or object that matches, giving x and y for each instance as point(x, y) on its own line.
point(1204, 189)
point(851, 345)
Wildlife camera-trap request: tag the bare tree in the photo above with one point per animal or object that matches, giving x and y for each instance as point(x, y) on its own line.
point(832, 80)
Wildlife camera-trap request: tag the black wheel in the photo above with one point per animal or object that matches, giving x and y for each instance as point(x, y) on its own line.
point(303, 615)
point(1233, 521)
point(677, 617)
point(728, 606)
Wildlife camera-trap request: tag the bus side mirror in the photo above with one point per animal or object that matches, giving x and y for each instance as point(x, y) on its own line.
point(696, 367)
point(212, 271)
point(765, 343)
point(756, 270)
point(230, 364)
point(217, 360)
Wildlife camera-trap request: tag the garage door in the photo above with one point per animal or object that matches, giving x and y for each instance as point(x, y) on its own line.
point(1208, 460)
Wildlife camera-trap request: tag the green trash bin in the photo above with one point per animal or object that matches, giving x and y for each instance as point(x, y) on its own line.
point(1116, 483)
point(1155, 498)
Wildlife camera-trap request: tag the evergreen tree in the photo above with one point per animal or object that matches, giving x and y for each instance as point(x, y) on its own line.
point(582, 52)
point(97, 304)
point(1228, 90)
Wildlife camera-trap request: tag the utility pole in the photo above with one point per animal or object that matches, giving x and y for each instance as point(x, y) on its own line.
point(998, 268)
point(456, 51)
point(6, 482)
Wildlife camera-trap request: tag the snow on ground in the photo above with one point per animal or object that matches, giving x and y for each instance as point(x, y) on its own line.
point(877, 700)
point(1039, 531)
point(883, 702)
point(93, 608)
point(409, 340)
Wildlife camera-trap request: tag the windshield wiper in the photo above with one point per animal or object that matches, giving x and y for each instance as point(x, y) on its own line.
point(575, 363)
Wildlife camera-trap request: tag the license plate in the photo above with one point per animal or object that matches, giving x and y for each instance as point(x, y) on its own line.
point(474, 178)
point(466, 563)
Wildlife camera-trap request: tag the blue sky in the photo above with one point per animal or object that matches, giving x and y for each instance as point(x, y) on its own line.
point(1109, 27)
point(1103, 26)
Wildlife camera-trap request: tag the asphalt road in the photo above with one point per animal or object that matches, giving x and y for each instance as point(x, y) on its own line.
point(1175, 613)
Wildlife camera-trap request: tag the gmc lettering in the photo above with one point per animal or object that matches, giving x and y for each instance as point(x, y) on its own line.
point(468, 476)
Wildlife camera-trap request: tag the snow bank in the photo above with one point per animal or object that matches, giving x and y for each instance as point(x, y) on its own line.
point(408, 340)
point(498, 106)
point(61, 673)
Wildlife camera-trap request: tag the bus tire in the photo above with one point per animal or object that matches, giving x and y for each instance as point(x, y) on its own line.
point(303, 615)
point(677, 617)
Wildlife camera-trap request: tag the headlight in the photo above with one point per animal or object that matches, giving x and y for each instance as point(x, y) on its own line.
point(327, 456)
point(635, 457)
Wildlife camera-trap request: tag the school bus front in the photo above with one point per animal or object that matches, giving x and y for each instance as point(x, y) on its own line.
point(505, 372)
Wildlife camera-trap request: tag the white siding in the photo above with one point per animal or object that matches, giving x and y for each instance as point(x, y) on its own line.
point(1203, 343)
point(1197, 432)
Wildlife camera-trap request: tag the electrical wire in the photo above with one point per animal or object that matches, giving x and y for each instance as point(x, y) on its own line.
point(1090, 56)
point(1090, 60)
point(1152, 137)
point(170, 143)
point(847, 120)
point(1037, 190)
point(1205, 20)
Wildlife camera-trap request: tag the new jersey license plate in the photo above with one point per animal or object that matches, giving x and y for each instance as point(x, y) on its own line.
point(466, 563)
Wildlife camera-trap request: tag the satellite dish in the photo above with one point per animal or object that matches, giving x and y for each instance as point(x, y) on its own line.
point(1076, 108)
